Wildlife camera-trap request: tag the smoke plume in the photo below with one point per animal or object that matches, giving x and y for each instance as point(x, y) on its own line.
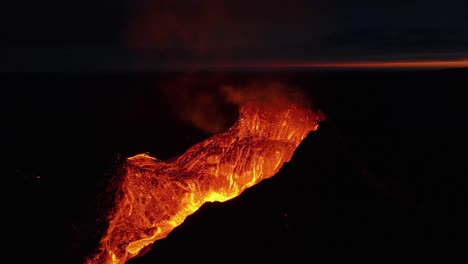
point(211, 104)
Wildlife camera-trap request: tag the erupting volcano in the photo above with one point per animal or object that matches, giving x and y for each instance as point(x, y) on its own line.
point(155, 196)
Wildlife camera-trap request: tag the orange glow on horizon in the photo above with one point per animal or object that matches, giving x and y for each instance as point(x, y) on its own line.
point(415, 64)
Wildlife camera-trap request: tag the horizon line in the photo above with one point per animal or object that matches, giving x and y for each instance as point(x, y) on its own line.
point(273, 65)
point(368, 64)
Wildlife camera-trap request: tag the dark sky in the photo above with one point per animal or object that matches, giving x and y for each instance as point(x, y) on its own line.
point(137, 34)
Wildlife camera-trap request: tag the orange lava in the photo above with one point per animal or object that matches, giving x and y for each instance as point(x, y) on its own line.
point(156, 196)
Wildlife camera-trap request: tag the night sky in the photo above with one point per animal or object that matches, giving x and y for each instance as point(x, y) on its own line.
point(134, 35)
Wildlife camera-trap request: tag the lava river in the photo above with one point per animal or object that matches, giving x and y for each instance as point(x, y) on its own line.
point(155, 196)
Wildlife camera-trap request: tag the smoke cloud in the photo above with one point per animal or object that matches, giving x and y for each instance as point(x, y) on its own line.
point(211, 103)
point(211, 31)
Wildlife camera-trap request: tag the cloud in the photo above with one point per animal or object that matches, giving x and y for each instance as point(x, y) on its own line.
point(220, 29)
point(387, 42)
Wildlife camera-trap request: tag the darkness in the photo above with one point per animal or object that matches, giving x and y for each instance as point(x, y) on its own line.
point(384, 173)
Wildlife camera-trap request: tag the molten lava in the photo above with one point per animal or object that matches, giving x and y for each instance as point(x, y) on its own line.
point(156, 196)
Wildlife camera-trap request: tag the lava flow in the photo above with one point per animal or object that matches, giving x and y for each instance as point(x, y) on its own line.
point(156, 196)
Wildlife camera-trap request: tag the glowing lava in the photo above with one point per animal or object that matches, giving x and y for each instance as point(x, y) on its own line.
point(156, 196)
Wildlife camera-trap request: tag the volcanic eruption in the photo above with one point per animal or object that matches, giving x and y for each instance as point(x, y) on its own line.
point(156, 196)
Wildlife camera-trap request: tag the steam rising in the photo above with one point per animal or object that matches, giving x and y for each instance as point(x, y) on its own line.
point(265, 91)
point(211, 105)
